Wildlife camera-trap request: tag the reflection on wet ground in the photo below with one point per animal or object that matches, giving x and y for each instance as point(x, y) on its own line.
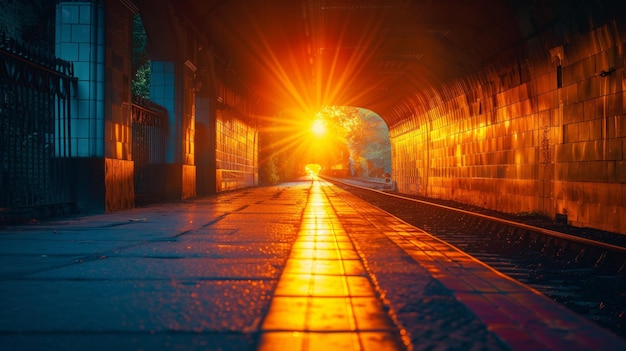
point(324, 300)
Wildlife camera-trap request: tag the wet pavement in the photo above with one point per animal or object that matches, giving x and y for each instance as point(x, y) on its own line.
point(299, 266)
point(324, 299)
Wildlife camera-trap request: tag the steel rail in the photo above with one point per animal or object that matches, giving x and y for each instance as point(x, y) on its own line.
point(547, 232)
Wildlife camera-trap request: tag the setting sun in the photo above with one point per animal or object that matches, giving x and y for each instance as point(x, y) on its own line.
point(319, 127)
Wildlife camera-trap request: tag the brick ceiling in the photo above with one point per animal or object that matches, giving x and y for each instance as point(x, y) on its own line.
point(375, 54)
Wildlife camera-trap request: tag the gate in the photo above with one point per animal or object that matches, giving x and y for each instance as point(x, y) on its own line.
point(35, 91)
point(149, 131)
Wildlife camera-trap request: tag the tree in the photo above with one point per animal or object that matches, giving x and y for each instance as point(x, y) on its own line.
point(140, 84)
point(355, 138)
point(366, 136)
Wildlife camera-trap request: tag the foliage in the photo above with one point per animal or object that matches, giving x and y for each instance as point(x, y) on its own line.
point(366, 136)
point(351, 133)
point(271, 160)
point(140, 84)
point(268, 172)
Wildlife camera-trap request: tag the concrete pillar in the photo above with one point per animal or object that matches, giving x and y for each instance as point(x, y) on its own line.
point(175, 94)
point(80, 38)
point(80, 35)
point(162, 92)
point(205, 145)
point(95, 36)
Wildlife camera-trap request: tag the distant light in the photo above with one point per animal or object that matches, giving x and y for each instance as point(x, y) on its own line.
point(319, 127)
point(313, 169)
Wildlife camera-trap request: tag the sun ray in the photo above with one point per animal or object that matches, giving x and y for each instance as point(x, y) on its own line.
point(288, 73)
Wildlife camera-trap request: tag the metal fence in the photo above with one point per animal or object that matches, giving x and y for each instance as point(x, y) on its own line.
point(149, 132)
point(35, 151)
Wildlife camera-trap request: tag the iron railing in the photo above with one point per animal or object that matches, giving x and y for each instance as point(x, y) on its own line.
point(35, 150)
point(149, 132)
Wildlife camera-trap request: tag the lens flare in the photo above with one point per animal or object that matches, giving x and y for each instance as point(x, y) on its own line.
point(319, 127)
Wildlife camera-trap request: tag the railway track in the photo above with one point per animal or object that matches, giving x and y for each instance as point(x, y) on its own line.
point(582, 269)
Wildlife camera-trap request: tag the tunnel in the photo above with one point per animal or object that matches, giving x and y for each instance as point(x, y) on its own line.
point(504, 104)
point(509, 105)
point(177, 175)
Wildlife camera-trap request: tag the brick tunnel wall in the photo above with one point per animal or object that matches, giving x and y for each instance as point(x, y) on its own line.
point(545, 135)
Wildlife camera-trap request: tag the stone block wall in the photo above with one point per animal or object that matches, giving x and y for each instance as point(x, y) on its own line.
point(117, 97)
point(119, 184)
point(546, 135)
point(236, 151)
point(79, 38)
point(188, 182)
point(119, 174)
point(96, 37)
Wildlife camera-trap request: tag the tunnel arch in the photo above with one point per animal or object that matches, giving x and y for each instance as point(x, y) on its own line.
point(472, 97)
point(366, 138)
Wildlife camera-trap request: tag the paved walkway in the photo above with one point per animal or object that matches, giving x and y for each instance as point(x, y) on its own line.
point(324, 299)
point(300, 266)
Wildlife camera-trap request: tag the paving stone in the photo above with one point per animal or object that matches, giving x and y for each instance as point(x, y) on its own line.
point(302, 266)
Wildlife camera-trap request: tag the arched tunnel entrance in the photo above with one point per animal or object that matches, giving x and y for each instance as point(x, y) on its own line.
point(344, 141)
